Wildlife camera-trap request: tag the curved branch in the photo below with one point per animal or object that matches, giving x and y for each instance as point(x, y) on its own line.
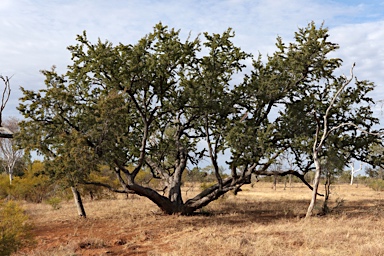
point(284, 173)
point(109, 187)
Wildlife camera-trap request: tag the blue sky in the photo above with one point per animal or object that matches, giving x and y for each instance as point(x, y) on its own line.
point(34, 34)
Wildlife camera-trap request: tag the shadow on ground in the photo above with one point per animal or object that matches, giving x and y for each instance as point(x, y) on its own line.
point(232, 213)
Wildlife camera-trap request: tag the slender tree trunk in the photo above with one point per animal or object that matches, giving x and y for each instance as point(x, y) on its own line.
point(351, 178)
point(316, 183)
point(78, 202)
point(10, 177)
point(274, 182)
point(353, 171)
point(327, 186)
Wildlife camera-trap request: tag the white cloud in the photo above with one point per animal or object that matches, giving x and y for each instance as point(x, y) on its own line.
point(34, 34)
point(362, 44)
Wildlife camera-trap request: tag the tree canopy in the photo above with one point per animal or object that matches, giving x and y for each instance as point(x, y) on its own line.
point(167, 105)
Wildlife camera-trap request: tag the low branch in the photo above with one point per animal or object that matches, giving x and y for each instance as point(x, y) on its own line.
point(284, 173)
point(109, 187)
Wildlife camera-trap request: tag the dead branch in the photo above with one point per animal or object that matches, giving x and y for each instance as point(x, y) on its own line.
point(5, 96)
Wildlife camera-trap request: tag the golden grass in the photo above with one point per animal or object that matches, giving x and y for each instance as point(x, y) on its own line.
point(258, 221)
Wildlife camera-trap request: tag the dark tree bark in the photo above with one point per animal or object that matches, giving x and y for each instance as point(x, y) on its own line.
point(78, 202)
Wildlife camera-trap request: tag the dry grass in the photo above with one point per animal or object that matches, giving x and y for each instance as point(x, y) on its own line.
point(258, 221)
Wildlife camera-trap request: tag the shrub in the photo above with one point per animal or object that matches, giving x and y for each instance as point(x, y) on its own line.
point(54, 202)
point(376, 184)
point(14, 228)
point(30, 188)
point(4, 186)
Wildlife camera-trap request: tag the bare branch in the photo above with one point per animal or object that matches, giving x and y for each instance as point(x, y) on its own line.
point(284, 173)
point(5, 96)
point(109, 187)
point(325, 126)
point(356, 126)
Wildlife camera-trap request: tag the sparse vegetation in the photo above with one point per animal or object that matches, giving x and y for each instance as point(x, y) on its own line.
point(258, 221)
point(54, 202)
point(376, 184)
point(14, 228)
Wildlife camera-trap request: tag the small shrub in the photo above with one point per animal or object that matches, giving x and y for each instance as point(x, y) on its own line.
point(4, 186)
point(54, 202)
point(14, 229)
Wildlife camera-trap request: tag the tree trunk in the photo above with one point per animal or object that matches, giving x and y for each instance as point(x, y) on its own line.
point(175, 193)
point(325, 208)
point(274, 182)
point(353, 171)
point(10, 177)
point(78, 202)
point(316, 183)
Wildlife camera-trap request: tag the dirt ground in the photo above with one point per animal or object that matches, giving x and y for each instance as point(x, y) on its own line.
point(100, 235)
point(259, 221)
point(96, 237)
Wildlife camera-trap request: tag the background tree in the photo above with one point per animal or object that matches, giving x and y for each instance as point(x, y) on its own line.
point(342, 122)
point(162, 104)
point(9, 154)
point(375, 173)
point(5, 96)
point(4, 131)
point(287, 159)
point(354, 171)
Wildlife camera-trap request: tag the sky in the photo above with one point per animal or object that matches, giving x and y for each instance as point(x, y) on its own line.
point(35, 34)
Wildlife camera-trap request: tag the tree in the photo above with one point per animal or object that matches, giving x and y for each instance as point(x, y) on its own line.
point(375, 173)
point(5, 96)
point(354, 171)
point(288, 158)
point(163, 104)
point(5, 132)
point(341, 129)
point(9, 154)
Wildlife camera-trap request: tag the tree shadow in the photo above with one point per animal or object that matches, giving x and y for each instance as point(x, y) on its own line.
point(265, 212)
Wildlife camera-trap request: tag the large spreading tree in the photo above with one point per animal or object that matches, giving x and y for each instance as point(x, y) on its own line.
point(165, 105)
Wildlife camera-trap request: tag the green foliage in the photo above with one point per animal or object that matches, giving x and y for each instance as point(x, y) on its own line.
point(148, 110)
point(376, 173)
point(33, 186)
point(54, 202)
point(32, 189)
point(97, 192)
point(14, 228)
point(4, 186)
